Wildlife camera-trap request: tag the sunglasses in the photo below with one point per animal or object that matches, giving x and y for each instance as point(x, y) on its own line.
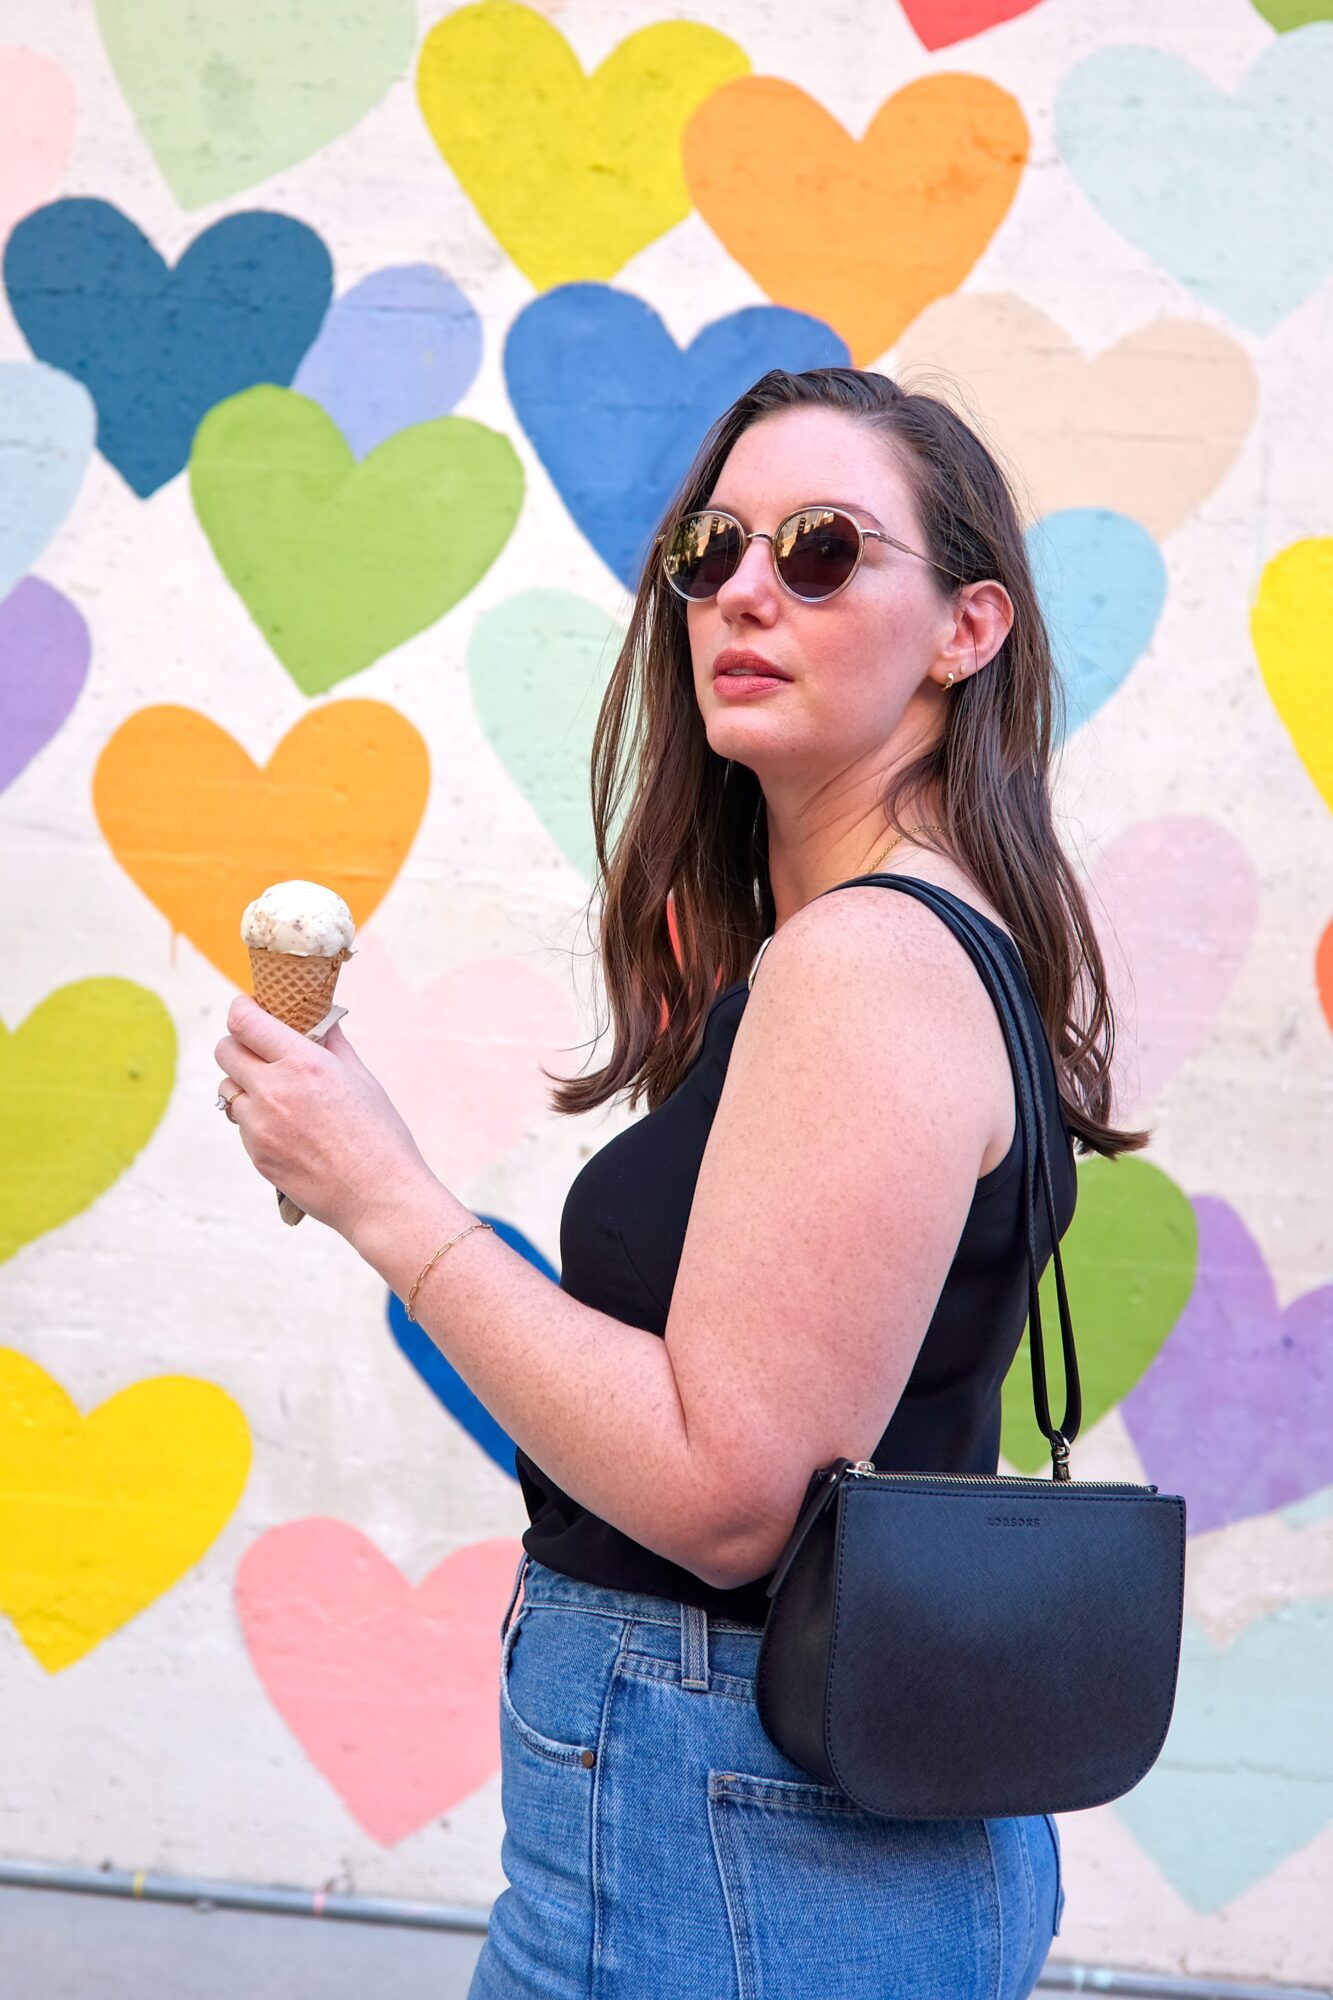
point(816, 552)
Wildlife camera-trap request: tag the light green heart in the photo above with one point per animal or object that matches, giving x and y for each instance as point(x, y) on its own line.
point(228, 92)
point(538, 666)
point(83, 1083)
point(1129, 1260)
point(337, 559)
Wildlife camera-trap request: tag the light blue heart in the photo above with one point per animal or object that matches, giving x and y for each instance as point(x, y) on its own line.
point(1102, 582)
point(1246, 1777)
point(398, 349)
point(47, 428)
point(1233, 195)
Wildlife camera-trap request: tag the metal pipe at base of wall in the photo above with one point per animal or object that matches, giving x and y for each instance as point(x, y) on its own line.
point(205, 1894)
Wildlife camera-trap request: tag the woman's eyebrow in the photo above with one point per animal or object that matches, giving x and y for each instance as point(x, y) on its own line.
point(856, 507)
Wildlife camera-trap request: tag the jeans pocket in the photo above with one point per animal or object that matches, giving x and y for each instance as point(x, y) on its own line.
point(824, 1897)
point(530, 1691)
point(1054, 1832)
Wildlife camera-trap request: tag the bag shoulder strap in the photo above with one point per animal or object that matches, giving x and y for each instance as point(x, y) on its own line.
point(998, 978)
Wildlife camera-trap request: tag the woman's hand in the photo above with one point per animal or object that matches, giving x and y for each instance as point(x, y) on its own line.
point(314, 1120)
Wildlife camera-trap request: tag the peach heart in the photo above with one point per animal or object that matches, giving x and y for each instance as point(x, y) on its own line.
point(864, 234)
point(203, 829)
point(390, 1688)
point(1147, 427)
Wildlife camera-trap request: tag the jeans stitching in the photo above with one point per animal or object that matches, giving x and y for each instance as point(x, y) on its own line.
point(595, 1843)
point(719, 1833)
point(541, 1746)
point(995, 1912)
point(648, 1667)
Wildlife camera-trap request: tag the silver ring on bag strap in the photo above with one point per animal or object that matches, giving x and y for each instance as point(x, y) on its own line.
point(999, 981)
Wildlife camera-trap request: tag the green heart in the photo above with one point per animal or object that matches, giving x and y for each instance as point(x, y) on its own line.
point(1284, 15)
point(339, 560)
point(83, 1084)
point(1129, 1260)
point(538, 666)
point(227, 92)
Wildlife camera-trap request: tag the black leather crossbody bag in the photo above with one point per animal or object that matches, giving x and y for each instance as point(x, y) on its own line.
point(948, 1645)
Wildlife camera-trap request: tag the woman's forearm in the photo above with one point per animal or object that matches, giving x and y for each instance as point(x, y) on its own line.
point(592, 1401)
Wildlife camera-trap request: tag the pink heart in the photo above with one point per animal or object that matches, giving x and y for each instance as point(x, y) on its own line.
point(1175, 902)
point(460, 1056)
point(36, 127)
point(391, 1689)
point(940, 22)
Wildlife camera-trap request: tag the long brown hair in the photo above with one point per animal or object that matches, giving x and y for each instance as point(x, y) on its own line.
point(690, 831)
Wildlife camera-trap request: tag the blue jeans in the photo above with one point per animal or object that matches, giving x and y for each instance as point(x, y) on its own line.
point(659, 1846)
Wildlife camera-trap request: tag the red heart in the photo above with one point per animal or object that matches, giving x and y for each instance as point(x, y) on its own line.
point(940, 22)
point(391, 1689)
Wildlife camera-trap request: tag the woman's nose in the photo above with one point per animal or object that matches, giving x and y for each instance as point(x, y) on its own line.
point(754, 586)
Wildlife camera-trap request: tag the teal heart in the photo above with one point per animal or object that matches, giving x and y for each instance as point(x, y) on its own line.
point(337, 559)
point(1102, 583)
point(538, 667)
point(1129, 1258)
point(1233, 195)
point(1246, 1777)
point(228, 92)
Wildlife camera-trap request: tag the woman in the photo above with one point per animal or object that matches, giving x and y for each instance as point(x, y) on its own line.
point(813, 1243)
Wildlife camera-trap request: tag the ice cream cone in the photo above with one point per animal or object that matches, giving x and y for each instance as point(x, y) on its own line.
point(296, 990)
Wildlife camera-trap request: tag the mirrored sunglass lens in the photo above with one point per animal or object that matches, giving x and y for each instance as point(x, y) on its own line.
point(817, 551)
point(704, 551)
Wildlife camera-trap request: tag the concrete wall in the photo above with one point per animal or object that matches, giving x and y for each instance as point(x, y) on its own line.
point(255, 1537)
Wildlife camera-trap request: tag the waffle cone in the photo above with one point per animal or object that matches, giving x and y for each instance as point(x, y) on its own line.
point(298, 991)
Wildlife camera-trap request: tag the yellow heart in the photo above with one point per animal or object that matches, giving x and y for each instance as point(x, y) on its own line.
point(1289, 625)
point(99, 1515)
point(572, 174)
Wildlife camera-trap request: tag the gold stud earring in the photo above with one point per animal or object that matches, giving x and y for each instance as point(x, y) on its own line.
point(949, 682)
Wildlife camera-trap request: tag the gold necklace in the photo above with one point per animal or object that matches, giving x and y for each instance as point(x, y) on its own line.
point(894, 842)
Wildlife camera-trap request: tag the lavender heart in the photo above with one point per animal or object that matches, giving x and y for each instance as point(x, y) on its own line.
point(44, 652)
point(1236, 1412)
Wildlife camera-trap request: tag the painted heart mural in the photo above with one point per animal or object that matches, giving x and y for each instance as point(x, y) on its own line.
point(103, 1513)
point(202, 829)
point(388, 1686)
point(44, 651)
point(615, 410)
point(84, 1080)
point(338, 560)
point(157, 347)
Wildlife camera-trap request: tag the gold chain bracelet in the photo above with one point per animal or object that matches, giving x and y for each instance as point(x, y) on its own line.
point(426, 1269)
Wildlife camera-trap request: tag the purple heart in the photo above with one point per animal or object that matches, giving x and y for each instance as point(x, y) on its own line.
point(44, 652)
point(399, 349)
point(1236, 1412)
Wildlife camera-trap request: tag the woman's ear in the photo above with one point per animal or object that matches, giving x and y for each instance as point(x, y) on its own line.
point(984, 619)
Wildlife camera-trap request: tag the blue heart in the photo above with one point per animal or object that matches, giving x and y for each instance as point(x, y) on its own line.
point(1246, 1776)
point(616, 411)
point(1102, 583)
point(46, 440)
point(1232, 195)
point(440, 1375)
point(400, 348)
point(156, 347)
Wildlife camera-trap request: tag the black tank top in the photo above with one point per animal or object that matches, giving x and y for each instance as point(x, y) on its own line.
point(621, 1235)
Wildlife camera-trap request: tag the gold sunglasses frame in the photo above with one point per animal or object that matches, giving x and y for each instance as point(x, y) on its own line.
point(749, 535)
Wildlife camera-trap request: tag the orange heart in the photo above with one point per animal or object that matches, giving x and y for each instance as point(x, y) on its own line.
point(864, 235)
point(203, 829)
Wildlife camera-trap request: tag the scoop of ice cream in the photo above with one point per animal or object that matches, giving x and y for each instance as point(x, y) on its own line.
point(302, 919)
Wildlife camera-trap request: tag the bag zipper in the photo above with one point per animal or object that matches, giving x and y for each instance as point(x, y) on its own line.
point(864, 1468)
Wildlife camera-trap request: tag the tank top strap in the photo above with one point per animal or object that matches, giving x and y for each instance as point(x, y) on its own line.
point(758, 955)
